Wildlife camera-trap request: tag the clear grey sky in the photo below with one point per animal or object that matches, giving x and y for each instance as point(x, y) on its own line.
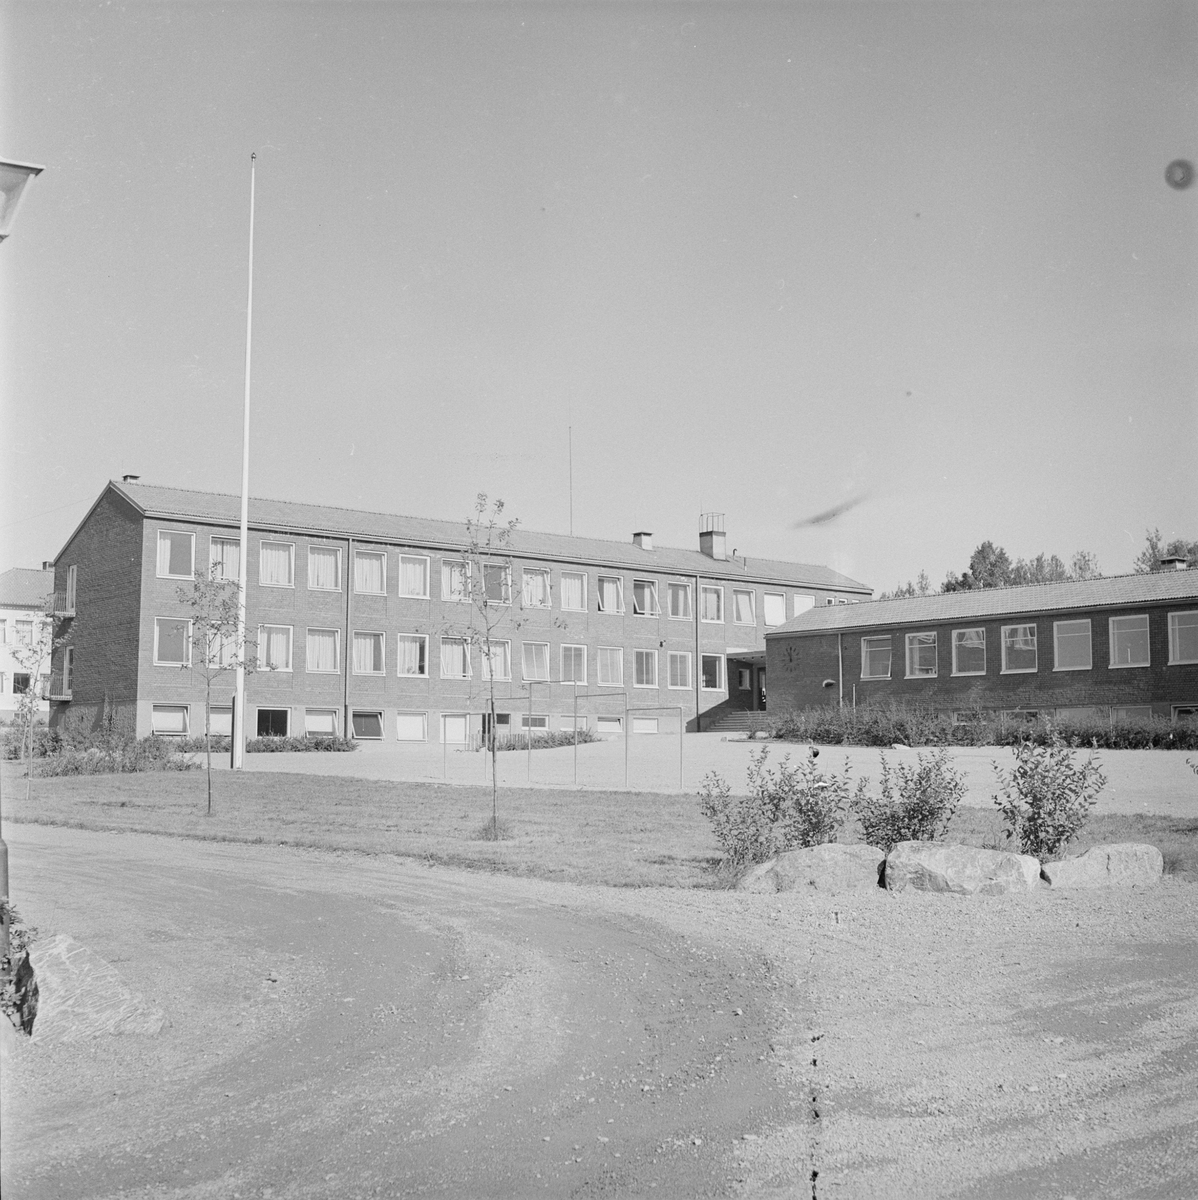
point(762, 258)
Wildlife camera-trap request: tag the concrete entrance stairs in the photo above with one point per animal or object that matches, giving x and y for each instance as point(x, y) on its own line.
point(735, 721)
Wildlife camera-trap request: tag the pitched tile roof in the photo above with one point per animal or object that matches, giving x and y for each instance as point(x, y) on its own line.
point(281, 515)
point(25, 587)
point(998, 602)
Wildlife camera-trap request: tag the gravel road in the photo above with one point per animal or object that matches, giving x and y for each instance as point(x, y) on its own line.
point(342, 1025)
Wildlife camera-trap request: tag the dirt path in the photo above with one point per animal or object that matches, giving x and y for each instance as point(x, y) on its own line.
point(723, 1044)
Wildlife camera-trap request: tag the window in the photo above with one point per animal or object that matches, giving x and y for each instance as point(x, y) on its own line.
point(1131, 712)
point(367, 726)
point(72, 580)
point(220, 721)
point(1186, 714)
point(644, 598)
point(21, 683)
point(323, 652)
point(644, 724)
point(221, 648)
point(274, 722)
point(802, 602)
point(276, 564)
point(1071, 649)
point(574, 592)
point(455, 580)
point(370, 572)
point(969, 652)
point(611, 666)
point(1129, 641)
point(224, 559)
point(743, 609)
point(413, 576)
point(611, 594)
point(176, 554)
point(320, 722)
point(172, 642)
point(744, 679)
point(497, 583)
point(875, 657)
point(533, 721)
point(3, 630)
point(534, 587)
point(645, 673)
point(1082, 712)
point(679, 597)
point(412, 655)
point(829, 601)
point(68, 668)
point(773, 607)
point(609, 724)
point(369, 651)
point(1183, 637)
point(678, 669)
point(921, 655)
point(411, 726)
point(535, 660)
point(455, 728)
point(455, 658)
point(274, 647)
point(497, 661)
point(1018, 649)
point(713, 672)
point(24, 632)
point(324, 568)
point(711, 604)
point(170, 720)
point(574, 664)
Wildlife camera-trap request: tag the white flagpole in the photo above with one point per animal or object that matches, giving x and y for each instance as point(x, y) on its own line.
point(243, 556)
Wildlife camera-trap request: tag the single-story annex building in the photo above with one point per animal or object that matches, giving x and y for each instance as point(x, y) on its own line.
point(1122, 646)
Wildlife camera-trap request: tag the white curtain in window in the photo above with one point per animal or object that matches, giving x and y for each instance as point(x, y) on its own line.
point(274, 566)
point(412, 655)
point(536, 660)
point(744, 608)
point(453, 581)
point(322, 568)
point(610, 596)
point(536, 589)
point(322, 650)
point(680, 670)
point(413, 576)
point(498, 663)
point(222, 649)
point(274, 645)
point(573, 591)
point(646, 668)
point(368, 572)
point(680, 600)
point(225, 559)
point(713, 604)
point(455, 658)
point(368, 653)
point(574, 664)
point(611, 665)
point(174, 554)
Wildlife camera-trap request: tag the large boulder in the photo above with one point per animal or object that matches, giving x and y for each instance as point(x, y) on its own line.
point(966, 870)
point(829, 868)
point(1120, 864)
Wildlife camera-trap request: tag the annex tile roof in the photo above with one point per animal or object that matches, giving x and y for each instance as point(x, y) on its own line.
point(998, 602)
point(25, 587)
point(424, 532)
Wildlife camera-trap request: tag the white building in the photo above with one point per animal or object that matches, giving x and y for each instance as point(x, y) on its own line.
point(23, 594)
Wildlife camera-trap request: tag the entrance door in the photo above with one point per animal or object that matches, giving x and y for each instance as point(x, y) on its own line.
point(455, 728)
point(760, 689)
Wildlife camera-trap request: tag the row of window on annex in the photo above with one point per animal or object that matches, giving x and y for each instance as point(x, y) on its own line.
point(456, 658)
point(1019, 651)
point(532, 587)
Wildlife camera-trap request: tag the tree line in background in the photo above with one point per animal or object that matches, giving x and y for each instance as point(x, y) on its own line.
point(990, 566)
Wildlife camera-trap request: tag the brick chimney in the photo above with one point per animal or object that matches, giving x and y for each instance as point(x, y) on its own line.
point(712, 539)
point(643, 540)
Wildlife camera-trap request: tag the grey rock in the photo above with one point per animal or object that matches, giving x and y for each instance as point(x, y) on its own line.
point(965, 870)
point(828, 868)
point(1119, 864)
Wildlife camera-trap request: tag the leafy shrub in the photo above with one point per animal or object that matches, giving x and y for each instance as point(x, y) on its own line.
point(791, 807)
point(277, 745)
point(12, 742)
point(1045, 800)
point(116, 758)
point(917, 803)
point(549, 740)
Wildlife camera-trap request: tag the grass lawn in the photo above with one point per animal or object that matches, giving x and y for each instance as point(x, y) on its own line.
point(619, 839)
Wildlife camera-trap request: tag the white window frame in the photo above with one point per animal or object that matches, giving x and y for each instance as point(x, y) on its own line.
point(1131, 712)
point(636, 660)
point(423, 724)
point(910, 644)
point(262, 544)
point(290, 649)
point(543, 573)
point(465, 644)
point(228, 541)
point(185, 709)
point(373, 633)
point(284, 708)
point(68, 667)
point(505, 598)
point(619, 659)
point(428, 574)
point(619, 582)
point(721, 675)
point(362, 553)
point(802, 602)
point(766, 597)
point(169, 533)
point(561, 662)
point(654, 600)
point(672, 587)
point(524, 663)
point(1007, 670)
point(1174, 659)
point(336, 668)
point(368, 712)
point(485, 656)
point(718, 592)
point(158, 662)
point(985, 653)
point(562, 590)
point(534, 721)
point(671, 657)
point(1111, 636)
point(752, 594)
point(878, 637)
point(72, 586)
point(1056, 643)
point(315, 587)
point(421, 637)
point(335, 713)
point(446, 588)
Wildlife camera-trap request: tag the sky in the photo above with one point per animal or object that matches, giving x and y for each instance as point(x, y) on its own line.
point(757, 259)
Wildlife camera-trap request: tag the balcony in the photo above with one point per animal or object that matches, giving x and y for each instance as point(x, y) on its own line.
point(59, 688)
point(60, 604)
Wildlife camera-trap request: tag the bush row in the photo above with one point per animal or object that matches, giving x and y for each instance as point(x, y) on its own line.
point(545, 741)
